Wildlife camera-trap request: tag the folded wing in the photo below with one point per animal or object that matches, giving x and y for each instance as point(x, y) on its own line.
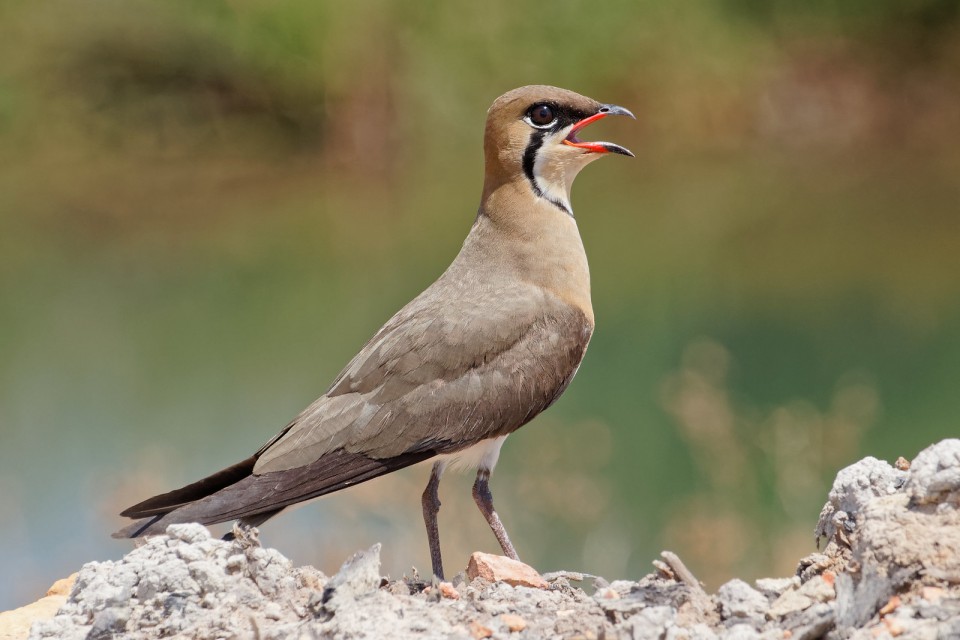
point(438, 377)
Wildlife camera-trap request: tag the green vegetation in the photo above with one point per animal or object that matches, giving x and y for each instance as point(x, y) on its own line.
point(206, 208)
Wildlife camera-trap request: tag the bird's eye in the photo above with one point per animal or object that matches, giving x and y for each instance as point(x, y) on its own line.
point(541, 115)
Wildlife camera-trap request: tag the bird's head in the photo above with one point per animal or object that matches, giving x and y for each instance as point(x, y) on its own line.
point(531, 138)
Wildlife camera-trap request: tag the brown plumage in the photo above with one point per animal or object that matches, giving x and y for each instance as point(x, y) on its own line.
point(489, 345)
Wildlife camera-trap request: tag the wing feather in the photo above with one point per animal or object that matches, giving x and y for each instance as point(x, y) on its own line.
point(480, 370)
point(271, 492)
point(452, 368)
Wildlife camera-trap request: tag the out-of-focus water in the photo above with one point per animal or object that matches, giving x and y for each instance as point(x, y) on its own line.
point(194, 239)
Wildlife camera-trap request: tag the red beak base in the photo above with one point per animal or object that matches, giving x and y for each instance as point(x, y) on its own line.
point(598, 147)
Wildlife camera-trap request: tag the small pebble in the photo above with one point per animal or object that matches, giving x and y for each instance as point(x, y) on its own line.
point(513, 622)
point(448, 591)
point(479, 631)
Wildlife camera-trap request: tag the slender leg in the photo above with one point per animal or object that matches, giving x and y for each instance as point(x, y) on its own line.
point(484, 500)
point(431, 506)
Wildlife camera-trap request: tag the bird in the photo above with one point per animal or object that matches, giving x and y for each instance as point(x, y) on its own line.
point(490, 344)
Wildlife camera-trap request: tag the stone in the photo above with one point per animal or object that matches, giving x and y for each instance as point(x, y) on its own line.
point(448, 591)
point(698, 631)
point(15, 624)
point(513, 622)
point(855, 487)
point(790, 602)
point(109, 623)
point(358, 576)
point(775, 587)
point(740, 600)
point(494, 568)
point(741, 631)
point(652, 623)
point(478, 631)
point(886, 544)
point(932, 594)
point(63, 586)
point(819, 588)
point(935, 473)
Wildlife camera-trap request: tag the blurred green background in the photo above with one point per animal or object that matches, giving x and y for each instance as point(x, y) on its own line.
point(207, 208)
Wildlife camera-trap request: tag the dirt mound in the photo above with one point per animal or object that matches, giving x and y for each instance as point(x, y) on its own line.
point(891, 568)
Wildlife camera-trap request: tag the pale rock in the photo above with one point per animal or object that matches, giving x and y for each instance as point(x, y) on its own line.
point(651, 623)
point(447, 590)
point(790, 602)
point(818, 589)
point(740, 600)
point(494, 568)
point(775, 587)
point(853, 489)
point(513, 622)
point(358, 576)
point(743, 632)
point(15, 624)
point(935, 473)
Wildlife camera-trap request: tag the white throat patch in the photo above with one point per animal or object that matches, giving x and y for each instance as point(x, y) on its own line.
point(555, 166)
point(549, 188)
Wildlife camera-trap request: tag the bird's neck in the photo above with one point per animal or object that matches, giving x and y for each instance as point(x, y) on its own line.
point(538, 242)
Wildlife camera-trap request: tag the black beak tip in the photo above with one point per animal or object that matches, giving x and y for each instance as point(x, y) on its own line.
point(615, 110)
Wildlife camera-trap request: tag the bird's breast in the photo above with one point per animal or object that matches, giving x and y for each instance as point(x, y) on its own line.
point(554, 259)
point(521, 238)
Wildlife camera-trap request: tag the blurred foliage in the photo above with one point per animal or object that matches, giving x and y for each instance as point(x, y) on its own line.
point(206, 208)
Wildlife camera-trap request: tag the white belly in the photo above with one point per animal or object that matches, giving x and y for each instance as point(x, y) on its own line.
point(483, 455)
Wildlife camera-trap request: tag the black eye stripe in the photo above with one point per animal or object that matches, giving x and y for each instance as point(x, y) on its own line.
point(564, 115)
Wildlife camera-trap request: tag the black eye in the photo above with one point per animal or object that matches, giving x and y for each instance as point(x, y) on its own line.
point(541, 114)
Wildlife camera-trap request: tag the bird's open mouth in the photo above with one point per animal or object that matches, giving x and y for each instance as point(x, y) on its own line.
point(599, 146)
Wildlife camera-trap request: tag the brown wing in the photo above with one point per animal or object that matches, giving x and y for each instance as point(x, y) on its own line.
point(442, 376)
point(436, 378)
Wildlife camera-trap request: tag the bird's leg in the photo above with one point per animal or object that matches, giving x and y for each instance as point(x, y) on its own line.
point(484, 500)
point(431, 506)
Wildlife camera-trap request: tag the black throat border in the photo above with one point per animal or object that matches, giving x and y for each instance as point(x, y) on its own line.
point(529, 160)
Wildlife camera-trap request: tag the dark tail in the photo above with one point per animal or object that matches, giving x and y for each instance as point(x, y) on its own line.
point(153, 509)
point(236, 494)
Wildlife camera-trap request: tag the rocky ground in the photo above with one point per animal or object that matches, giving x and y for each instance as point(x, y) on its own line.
point(890, 568)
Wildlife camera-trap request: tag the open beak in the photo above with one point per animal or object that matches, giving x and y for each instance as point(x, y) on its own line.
point(599, 147)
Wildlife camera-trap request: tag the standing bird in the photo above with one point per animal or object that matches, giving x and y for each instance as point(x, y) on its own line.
point(489, 345)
